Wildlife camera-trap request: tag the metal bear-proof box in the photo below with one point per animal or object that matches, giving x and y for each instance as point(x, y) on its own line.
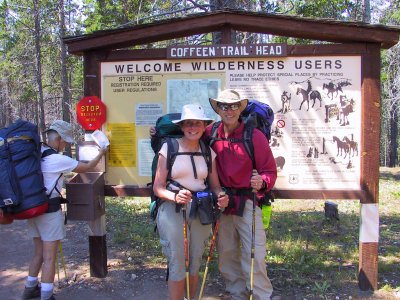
point(85, 193)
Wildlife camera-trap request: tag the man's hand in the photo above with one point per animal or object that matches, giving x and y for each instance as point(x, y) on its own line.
point(103, 151)
point(256, 181)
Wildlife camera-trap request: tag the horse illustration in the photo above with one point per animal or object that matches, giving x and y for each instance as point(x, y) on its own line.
point(332, 88)
point(309, 95)
point(352, 145)
point(304, 94)
point(344, 83)
point(314, 95)
point(341, 147)
point(346, 107)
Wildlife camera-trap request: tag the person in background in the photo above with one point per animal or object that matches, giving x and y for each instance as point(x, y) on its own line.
point(188, 175)
point(236, 174)
point(48, 229)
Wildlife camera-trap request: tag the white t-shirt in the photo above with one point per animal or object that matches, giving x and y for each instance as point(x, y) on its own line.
point(182, 169)
point(52, 166)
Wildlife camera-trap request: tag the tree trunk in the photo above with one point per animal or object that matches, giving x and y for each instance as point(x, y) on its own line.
point(366, 11)
point(66, 98)
point(38, 62)
point(64, 73)
point(393, 153)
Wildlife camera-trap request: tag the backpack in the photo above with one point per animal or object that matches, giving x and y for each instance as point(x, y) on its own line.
point(168, 132)
point(256, 115)
point(22, 190)
point(260, 115)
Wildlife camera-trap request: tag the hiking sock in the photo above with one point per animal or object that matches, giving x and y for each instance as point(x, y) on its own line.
point(47, 290)
point(31, 282)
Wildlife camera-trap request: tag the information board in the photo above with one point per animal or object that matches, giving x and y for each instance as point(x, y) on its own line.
point(317, 104)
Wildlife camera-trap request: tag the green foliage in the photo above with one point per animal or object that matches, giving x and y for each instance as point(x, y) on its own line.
point(130, 226)
point(321, 288)
point(106, 14)
point(307, 254)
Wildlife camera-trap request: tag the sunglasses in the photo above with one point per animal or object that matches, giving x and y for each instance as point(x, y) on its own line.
point(225, 107)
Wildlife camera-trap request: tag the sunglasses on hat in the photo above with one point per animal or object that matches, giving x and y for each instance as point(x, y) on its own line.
point(225, 107)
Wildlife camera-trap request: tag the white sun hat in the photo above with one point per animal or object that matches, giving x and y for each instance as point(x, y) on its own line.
point(64, 129)
point(193, 112)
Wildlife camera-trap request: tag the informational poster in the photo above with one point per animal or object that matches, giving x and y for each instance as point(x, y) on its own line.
point(317, 103)
point(122, 151)
point(148, 113)
point(146, 155)
point(197, 91)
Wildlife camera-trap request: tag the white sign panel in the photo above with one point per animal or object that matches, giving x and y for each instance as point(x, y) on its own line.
point(316, 134)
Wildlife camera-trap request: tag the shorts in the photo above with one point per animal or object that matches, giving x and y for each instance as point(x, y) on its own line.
point(49, 227)
point(170, 228)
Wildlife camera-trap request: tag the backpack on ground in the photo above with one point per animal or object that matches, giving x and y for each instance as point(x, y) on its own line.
point(22, 191)
point(168, 132)
point(256, 115)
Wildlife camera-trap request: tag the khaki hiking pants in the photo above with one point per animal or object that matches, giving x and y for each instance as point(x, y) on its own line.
point(234, 252)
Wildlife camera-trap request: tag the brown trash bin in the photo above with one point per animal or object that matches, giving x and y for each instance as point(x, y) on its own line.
point(85, 193)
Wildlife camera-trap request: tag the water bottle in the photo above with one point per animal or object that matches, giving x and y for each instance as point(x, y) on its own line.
point(266, 214)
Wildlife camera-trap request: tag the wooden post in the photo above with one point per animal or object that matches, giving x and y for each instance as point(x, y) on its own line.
point(227, 35)
point(98, 247)
point(369, 225)
point(97, 236)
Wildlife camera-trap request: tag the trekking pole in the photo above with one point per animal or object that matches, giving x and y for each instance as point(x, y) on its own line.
point(213, 239)
point(186, 249)
point(57, 268)
point(253, 242)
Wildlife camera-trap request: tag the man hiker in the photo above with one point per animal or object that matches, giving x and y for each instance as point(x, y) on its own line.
point(48, 229)
point(235, 170)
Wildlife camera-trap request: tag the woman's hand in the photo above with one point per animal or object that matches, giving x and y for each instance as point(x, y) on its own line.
point(256, 181)
point(222, 200)
point(183, 197)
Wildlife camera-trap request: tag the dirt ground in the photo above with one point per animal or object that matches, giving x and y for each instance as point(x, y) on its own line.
point(124, 281)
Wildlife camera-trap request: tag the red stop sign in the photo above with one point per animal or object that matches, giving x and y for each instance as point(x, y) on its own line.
point(91, 112)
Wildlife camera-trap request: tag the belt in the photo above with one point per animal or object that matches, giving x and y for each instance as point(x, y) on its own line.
point(15, 138)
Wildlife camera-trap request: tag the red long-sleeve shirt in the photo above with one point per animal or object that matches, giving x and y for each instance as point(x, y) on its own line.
point(234, 164)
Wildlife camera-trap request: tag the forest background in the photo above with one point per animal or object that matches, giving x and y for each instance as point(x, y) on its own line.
point(40, 82)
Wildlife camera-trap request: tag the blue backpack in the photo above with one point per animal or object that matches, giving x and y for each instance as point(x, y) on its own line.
point(259, 115)
point(22, 191)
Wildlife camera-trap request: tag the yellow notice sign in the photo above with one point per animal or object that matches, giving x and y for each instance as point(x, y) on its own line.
point(122, 145)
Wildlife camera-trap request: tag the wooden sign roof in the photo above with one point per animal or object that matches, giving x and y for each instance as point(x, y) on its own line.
point(281, 25)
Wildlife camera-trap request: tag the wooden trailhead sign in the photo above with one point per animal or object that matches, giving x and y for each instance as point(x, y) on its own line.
point(326, 99)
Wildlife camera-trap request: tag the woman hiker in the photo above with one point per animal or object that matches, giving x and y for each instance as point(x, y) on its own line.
point(177, 188)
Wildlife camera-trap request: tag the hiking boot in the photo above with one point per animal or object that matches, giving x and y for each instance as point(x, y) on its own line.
point(31, 292)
